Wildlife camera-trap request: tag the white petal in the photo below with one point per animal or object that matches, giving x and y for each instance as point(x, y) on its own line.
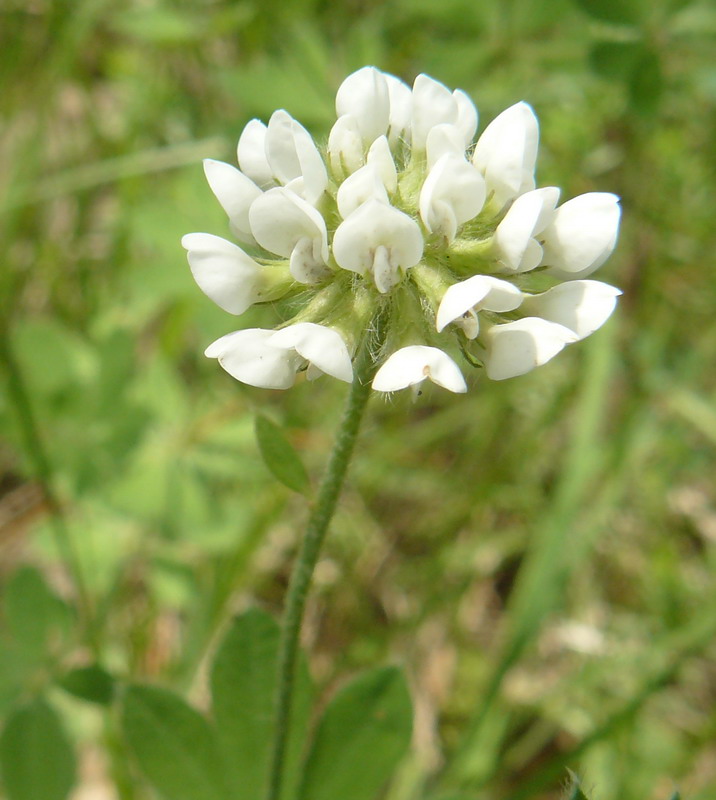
point(380, 157)
point(247, 356)
point(532, 257)
point(453, 193)
point(517, 347)
point(412, 365)
point(550, 198)
point(433, 104)
point(583, 234)
point(506, 152)
point(223, 271)
point(527, 215)
point(323, 347)
point(581, 306)
point(251, 152)
point(444, 138)
point(235, 192)
point(466, 116)
point(279, 219)
point(345, 147)
point(371, 225)
point(292, 153)
point(281, 147)
point(364, 95)
point(480, 291)
point(305, 263)
point(364, 184)
point(385, 274)
point(401, 98)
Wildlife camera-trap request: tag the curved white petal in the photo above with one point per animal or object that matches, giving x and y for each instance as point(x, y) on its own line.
point(526, 217)
point(292, 153)
point(235, 192)
point(251, 153)
point(401, 98)
point(507, 150)
point(223, 271)
point(442, 139)
point(518, 347)
point(370, 227)
point(345, 146)
point(581, 306)
point(583, 234)
point(247, 356)
point(478, 292)
point(279, 219)
point(412, 365)
point(380, 157)
point(432, 104)
point(305, 262)
point(364, 184)
point(322, 347)
point(281, 147)
point(364, 95)
point(453, 193)
point(466, 120)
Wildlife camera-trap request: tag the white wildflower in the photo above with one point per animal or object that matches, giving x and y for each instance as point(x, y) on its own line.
point(405, 218)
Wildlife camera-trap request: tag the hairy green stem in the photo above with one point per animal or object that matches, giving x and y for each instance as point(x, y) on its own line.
point(305, 563)
point(22, 402)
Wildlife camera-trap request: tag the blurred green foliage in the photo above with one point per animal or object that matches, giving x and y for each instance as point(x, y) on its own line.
point(540, 553)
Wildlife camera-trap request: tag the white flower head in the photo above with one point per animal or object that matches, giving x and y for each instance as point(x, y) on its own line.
point(401, 219)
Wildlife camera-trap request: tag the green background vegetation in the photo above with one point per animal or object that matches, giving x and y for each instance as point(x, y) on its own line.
point(539, 554)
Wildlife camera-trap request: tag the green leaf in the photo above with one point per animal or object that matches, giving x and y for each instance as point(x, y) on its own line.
point(279, 455)
point(618, 12)
point(243, 685)
point(362, 735)
point(37, 619)
point(36, 758)
point(92, 683)
point(173, 743)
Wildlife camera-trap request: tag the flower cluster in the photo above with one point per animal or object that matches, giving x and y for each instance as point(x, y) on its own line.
point(401, 215)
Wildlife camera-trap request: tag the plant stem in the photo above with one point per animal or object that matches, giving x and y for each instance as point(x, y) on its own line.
point(305, 563)
point(22, 402)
